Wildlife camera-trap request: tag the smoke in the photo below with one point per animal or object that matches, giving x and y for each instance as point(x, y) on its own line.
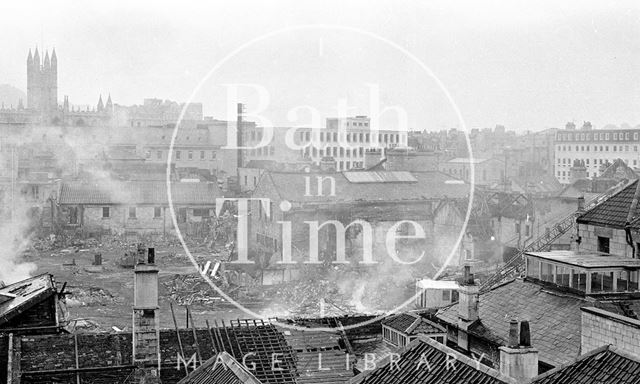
point(15, 221)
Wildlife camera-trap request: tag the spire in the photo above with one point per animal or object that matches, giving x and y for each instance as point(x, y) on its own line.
point(29, 58)
point(54, 59)
point(100, 104)
point(47, 62)
point(36, 58)
point(109, 104)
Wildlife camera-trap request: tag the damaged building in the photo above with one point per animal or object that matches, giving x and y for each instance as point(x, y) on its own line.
point(134, 207)
point(381, 199)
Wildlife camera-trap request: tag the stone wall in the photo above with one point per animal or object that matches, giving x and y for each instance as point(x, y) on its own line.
point(617, 239)
point(601, 328)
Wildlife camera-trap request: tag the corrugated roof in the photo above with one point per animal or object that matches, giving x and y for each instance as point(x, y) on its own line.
point(426, 361)
point(380, 177)
point(605, 365)
point(138, 192)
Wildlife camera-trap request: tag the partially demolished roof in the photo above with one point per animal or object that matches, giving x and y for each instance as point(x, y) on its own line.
point(221, 369)
point(18, 297)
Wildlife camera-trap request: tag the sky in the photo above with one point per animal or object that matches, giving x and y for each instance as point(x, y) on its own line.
point(525, 65)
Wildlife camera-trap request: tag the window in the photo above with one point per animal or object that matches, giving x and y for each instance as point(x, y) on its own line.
point(105, 212)
point(159, 155)
point(446, 295)
point(213, 155)
point(132, 212)
point(203, 212)
point(201, 155)
point(177, 155)
point(190, 155)
point(157, 212)
point(603, 244)
point(73, 215)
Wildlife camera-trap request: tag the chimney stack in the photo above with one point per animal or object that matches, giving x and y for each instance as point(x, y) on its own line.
point(519, 360)
point(146, 325)
point(581, 204)
point(469, 294)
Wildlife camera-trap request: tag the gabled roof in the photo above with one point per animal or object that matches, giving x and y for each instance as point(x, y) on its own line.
point(613, 211)
point(138, 192)
point(409, 323)
point(427, 185)
point(605, 365)
point(221, 369)
point(555, 318)
point(425, 361)
point(19, 297)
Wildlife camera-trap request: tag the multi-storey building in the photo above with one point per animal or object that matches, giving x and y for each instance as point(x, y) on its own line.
point(593, 149)
point(345, 140)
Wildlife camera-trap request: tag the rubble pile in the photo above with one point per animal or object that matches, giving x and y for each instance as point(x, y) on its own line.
point(190, 289)
point(92, 296)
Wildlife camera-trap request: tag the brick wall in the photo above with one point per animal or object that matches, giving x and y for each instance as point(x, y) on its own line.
point(600, 328)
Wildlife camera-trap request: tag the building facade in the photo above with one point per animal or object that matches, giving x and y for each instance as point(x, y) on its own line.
point(593, 150)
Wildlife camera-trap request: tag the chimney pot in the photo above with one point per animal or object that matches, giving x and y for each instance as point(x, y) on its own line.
point(468, 276)
point(513, 333)
point(525, 334)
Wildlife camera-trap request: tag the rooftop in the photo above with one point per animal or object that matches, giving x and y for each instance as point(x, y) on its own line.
point(366, 186)
point(605, 365)
point(437, 284)
point(588, 260)
point(613, 211)
point(222, 368)
point(138, 192)
point(555, 318)
point(409, 323)
point(19, 297)
point(467, 160)
point(426, 361)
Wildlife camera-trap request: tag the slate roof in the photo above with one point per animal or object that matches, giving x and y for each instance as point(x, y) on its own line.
point(410, 324)
point(316, 351)
point(138, 192)
point(18, 297)
point(555, 318)
point(409, 370)
point(428, 185)
point(400, 322)
point(613, 211)
point(605, 365)
point(220, 369)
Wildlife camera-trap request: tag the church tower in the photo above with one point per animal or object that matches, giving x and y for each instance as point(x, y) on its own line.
point(42, 82)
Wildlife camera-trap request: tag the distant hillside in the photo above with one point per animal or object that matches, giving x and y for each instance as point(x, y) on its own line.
point(10, 95)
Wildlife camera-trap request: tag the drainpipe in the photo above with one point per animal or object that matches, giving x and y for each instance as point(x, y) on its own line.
point(630, 216)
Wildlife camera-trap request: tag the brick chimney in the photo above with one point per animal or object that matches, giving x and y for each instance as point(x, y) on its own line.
point(467, 306)
point(519, 359)
point(146, 326)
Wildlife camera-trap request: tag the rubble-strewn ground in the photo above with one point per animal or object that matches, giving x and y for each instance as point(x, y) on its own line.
point(101, 297)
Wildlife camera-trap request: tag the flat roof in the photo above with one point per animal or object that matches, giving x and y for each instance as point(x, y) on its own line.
point(437, 284)
point(588, 259)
